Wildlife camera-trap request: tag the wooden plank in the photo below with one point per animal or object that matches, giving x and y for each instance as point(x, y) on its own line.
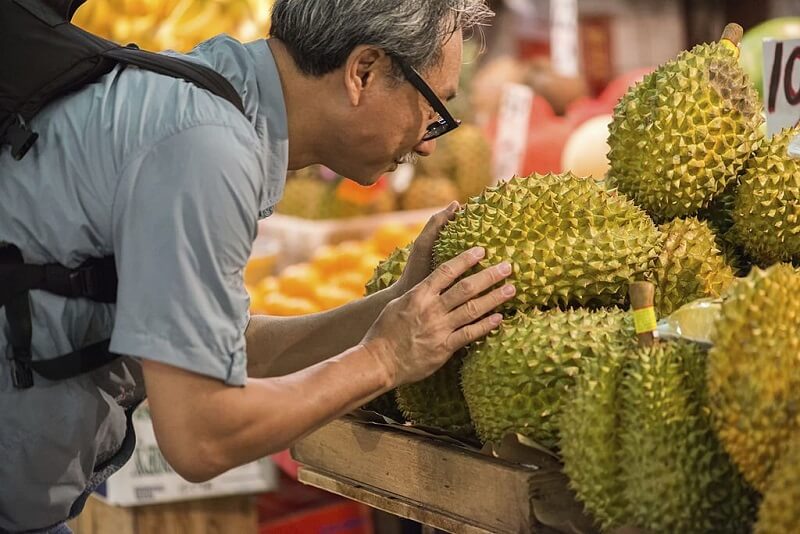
point(438, 477)
point(381, 500)
point(234, 515)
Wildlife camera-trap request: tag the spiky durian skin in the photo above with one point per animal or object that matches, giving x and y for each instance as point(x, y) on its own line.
point(588, 426)
point(682, 134)
point(569, 240)
point(766, 214)
point(754, 369)
point(677, 476)
point(639, 447)
point(719, 217)
point(779, 511)
point(517, 379)
point(429, 191)
point(437, 401)
point(689, 267)
point(389, 270)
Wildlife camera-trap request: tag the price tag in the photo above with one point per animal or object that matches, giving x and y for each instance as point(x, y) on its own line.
point(781, 83)
point(564, 36)
point(513, 122)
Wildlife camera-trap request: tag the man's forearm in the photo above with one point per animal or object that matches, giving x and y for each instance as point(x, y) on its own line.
point(278, 346)
point(239, 425)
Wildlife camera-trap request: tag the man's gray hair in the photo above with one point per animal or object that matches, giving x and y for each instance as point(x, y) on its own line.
point(321, 34)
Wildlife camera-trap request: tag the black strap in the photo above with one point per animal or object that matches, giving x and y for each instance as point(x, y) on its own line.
point(75, 363)
point(95, 279)
point(197, 74)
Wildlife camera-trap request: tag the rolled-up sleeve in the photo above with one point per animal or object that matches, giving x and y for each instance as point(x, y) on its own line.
point(184, 219)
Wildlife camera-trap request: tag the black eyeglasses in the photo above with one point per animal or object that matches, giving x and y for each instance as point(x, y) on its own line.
point(445, 123)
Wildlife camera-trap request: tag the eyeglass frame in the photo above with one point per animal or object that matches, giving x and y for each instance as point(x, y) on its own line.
point(445, 123)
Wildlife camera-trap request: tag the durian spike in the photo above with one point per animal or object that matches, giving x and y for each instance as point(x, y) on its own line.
point(642, 295)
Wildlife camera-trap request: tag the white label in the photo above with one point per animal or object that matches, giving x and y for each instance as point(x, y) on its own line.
point(512, 130)
point(564, 36)
point(781, 84)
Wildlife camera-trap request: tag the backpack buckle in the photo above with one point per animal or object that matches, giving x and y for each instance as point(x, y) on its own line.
point(21, 371)
point(83, 281)
point(20, 137)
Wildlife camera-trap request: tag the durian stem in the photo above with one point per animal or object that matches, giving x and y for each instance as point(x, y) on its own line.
point(642, 295)
point(733, 33)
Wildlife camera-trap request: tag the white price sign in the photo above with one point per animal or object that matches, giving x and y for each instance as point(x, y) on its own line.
point(781, 83)
point(564, 36)
point(511, 140)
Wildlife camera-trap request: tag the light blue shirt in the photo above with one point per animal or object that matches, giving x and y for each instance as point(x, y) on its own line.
point(171, 180)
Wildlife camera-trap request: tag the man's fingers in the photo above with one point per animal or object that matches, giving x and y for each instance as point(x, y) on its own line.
point(434, 225)
point(443, 276)
point(474, 309)
point(473, 332)
point(472, 286)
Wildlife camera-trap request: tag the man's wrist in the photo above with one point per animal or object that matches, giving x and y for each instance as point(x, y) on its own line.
point(381, 352)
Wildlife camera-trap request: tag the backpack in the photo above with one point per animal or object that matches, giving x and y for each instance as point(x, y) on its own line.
point(45, 57)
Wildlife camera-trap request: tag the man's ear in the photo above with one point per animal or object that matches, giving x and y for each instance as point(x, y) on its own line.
point(361, 71)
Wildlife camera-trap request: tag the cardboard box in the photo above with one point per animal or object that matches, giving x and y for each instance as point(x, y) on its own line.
point(147, 478)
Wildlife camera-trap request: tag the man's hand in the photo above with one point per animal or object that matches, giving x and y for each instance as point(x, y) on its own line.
point(421, 259)
point(416, 333)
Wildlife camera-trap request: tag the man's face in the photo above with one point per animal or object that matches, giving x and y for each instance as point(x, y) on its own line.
point(387, 127)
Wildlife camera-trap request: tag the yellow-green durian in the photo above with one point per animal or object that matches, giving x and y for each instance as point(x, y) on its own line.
point(570, 241)
point(682, 134)
point(754, 370)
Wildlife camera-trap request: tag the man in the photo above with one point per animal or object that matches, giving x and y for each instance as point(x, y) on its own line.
point(172, 180)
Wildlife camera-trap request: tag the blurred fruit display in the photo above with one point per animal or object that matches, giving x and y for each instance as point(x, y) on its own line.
point(335, 274)
point(174, 24)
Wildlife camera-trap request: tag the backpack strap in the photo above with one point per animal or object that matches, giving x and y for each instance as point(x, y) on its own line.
point(194, 73)
point(96, 279)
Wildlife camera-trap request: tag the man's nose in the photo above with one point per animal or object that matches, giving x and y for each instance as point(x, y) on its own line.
point(425, 148)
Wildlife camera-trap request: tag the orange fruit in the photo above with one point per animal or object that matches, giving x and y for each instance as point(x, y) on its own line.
point(285, 305)
point(299, 280)
point(332, 296)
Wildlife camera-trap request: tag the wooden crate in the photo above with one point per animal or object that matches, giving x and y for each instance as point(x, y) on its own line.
point(225, 515)
point(436, 483)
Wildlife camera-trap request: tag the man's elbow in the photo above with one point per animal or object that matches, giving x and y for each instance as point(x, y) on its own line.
point(198, 462)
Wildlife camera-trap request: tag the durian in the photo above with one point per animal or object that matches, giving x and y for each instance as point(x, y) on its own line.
point(676, 475)
point(639, 447)
point(680, 136)
point(386, 405)
point(437, 401)
point(589, 444)
point(570, 241)
point(766, 213)
point(689, 266)
point(517, 379)
point(389, 270)
point(779, 511)
point(754, 370)
point(429, 192)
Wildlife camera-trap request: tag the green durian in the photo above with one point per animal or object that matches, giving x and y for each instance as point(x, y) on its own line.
point(589, 426)
point(689, 267)
point(472, 158)
point(429, 191)
point(676, 475)
point(389, 270)
point(640, 450)
point(779, 511)
point(719, 217)
point(766, 214)
point(517, 378)
point(570, 242)
point(437, 401)
point(754, 370)
point(682, 134)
